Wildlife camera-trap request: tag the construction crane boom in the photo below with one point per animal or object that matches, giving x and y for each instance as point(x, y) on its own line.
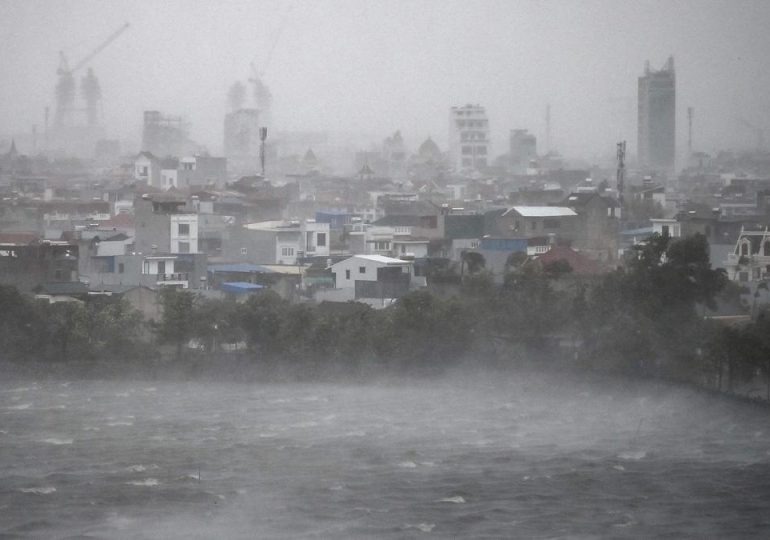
point(101, 47)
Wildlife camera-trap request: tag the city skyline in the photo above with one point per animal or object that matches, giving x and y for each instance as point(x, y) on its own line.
point(376, 67)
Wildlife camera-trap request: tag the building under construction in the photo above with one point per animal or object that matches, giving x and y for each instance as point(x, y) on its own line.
point(76, 129)
point(165, 135)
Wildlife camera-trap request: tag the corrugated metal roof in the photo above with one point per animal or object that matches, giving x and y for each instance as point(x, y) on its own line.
point(240, 287)
point(542, 211)
point(245, 268)
point(380, 259)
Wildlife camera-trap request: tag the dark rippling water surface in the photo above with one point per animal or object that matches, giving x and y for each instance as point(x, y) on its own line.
point(532, 456)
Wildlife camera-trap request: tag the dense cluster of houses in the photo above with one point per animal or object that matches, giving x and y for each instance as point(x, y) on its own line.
point(70, 230)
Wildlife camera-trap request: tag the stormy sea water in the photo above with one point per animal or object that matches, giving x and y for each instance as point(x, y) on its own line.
point(513, 456)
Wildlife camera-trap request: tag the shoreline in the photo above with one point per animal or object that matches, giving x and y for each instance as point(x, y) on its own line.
point(244, 370)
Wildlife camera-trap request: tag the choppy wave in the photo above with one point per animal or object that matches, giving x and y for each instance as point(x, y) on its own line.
point(147, 482)
point(57, 441)
point(46, 490)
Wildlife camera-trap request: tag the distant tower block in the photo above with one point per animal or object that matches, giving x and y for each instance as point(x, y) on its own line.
point(523, 149)
point(657, 118)
point(242, 142)
point(469, 144)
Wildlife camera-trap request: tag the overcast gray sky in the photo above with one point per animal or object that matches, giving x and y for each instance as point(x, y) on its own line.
point(378, 66)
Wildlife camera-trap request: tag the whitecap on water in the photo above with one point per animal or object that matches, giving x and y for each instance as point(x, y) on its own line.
point(424, 527)
point(620, 468)
point(47, 490)
point(632, 455)
point(119, 423)
point(23, 389)
point(307, 424)
point(149, 482)
point(457, 499)
point(407, 464)
point(55, 441)
point(137, 468)
point(21, 407)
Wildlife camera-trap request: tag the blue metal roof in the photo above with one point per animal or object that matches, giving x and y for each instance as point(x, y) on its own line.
point(240, 287)
point(245, 268)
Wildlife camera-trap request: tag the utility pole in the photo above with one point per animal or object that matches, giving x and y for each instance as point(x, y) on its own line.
point(262, 137)
point(621, 172)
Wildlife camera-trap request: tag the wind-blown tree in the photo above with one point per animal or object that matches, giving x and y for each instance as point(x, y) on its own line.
point(178, 319)
point(424, 330)
point(653, 305)
point(68, 329)
point(527, 309)
point(114, 329)
point(473, 261)
point(218, 321)
point(262, 316)
point(22, 329)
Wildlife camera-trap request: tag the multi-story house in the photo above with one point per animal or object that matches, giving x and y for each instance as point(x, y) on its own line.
point(749, 262)
point(276, 242)
point(396, 241)
point(147, 169)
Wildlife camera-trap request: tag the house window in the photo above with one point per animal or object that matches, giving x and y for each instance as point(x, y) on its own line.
point(243, 251)
point(467, 150)
point(745, 248)
point(184, 247)
point(362, 269)
point(665, 230)
point(321, 239)
point(382, 246)
point(287, 251)
point(184, 229)
point(347, 274)
point(121, 268)
point(161, 267)
point(533, 225)
point(767, 249)
point(551, 224)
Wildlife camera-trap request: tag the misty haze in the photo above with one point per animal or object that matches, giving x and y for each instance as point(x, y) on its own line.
point(384, 269)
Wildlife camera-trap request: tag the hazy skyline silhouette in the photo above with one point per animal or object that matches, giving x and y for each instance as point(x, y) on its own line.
point(378, 66)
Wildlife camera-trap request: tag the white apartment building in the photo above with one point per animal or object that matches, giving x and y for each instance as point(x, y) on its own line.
point(469, 144)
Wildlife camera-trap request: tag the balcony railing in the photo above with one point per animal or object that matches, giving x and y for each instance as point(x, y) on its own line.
point(176, 276)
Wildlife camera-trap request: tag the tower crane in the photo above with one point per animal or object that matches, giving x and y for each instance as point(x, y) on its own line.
point(262, 95)
point(65, 87)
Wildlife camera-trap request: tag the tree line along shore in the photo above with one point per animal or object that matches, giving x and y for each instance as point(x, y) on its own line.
point(649, 319)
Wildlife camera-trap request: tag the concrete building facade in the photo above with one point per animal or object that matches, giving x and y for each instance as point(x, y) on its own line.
point(469, 144)
point(523, 149)
point(657, 118)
